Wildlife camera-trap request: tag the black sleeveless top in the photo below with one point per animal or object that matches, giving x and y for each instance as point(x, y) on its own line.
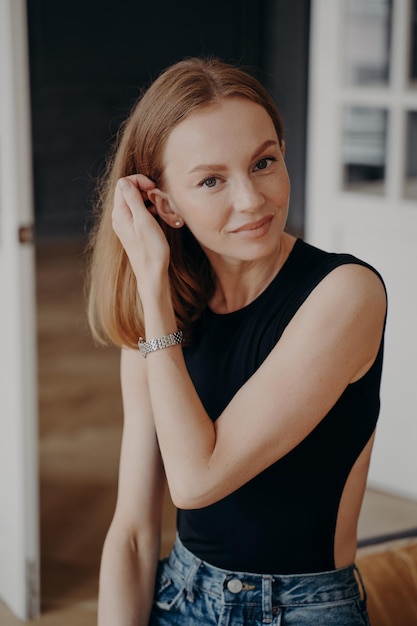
point(282, 521)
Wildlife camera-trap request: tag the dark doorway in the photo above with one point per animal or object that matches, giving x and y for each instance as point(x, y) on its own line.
point(90, 59)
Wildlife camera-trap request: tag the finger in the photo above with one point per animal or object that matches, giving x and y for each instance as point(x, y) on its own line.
point(127, 196)
point(129, 201)
point(142, 182)
point(121, 205)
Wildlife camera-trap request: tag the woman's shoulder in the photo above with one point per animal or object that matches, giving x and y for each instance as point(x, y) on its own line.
point(334, 287)
point(331, 259)
point(315, 264)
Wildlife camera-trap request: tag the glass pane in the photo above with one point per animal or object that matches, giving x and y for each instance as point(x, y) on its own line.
point(368, 41)
point(364, 149)
point(410, 187)
point(413, 44)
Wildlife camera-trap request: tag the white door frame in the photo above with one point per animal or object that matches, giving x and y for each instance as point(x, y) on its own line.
point(381, 229)
point(19, 503)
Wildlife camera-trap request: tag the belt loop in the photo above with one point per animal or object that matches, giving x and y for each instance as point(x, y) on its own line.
point(267, 599)
point(360, 582)
point(189, 579)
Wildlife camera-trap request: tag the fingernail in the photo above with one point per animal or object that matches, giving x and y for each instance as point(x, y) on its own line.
point(124, 183)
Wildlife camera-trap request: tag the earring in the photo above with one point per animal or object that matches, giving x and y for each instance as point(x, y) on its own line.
point(178, 223)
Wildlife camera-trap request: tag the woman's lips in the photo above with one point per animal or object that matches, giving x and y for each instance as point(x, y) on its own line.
point(257, 228)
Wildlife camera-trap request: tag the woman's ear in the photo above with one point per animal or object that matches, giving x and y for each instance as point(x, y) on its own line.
point(163, 208)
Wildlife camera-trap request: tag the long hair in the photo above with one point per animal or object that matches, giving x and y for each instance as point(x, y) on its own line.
point(114, 308)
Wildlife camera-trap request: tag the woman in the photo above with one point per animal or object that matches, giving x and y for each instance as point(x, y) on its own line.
point(259, 392)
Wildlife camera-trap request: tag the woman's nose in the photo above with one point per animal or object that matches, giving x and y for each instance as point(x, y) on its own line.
point(246, 195)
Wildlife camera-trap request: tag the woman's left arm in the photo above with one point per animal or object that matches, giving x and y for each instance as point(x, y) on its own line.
point(331, 341)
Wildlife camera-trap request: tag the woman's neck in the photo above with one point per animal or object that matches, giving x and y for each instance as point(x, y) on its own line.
point(239, 284)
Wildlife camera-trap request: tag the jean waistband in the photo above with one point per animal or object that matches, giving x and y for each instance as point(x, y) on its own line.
point(334, 586)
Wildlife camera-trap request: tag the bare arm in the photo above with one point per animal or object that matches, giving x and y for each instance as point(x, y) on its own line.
point(331, 341)
point(131, 549)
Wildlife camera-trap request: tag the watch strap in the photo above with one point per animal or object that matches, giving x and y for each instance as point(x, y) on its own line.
point(159, 343)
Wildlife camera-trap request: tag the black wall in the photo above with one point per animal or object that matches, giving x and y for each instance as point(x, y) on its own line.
point(89, 59)
point(284, 61)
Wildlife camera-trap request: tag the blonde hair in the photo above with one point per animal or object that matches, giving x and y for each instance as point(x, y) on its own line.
point(114, 307)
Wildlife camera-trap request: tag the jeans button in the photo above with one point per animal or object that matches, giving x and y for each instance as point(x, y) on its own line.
point(234, 585)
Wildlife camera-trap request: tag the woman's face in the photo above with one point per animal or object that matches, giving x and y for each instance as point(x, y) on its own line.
point(224, 174)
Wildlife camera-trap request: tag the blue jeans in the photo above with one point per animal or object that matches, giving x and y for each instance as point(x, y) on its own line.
point(192, 592)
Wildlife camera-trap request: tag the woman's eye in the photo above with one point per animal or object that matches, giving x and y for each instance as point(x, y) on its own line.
point(209, 182)
point(262, 164)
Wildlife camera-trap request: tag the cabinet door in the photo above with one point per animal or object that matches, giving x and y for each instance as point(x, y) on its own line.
point(19, 549)
point(362, 188)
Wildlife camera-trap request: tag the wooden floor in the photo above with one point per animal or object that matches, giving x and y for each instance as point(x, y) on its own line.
point(79, 436)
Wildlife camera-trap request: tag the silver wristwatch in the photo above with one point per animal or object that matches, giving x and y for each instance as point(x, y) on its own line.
point(173, 339)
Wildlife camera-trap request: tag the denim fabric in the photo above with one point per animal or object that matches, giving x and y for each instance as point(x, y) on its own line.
point(191, 592)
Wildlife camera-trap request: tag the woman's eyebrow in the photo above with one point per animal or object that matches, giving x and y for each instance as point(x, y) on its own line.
point(204, 167)
point(219, 167)
point(266, 144)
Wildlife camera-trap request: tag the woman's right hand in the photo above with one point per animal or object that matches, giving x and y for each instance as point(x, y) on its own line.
point(139, 232)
